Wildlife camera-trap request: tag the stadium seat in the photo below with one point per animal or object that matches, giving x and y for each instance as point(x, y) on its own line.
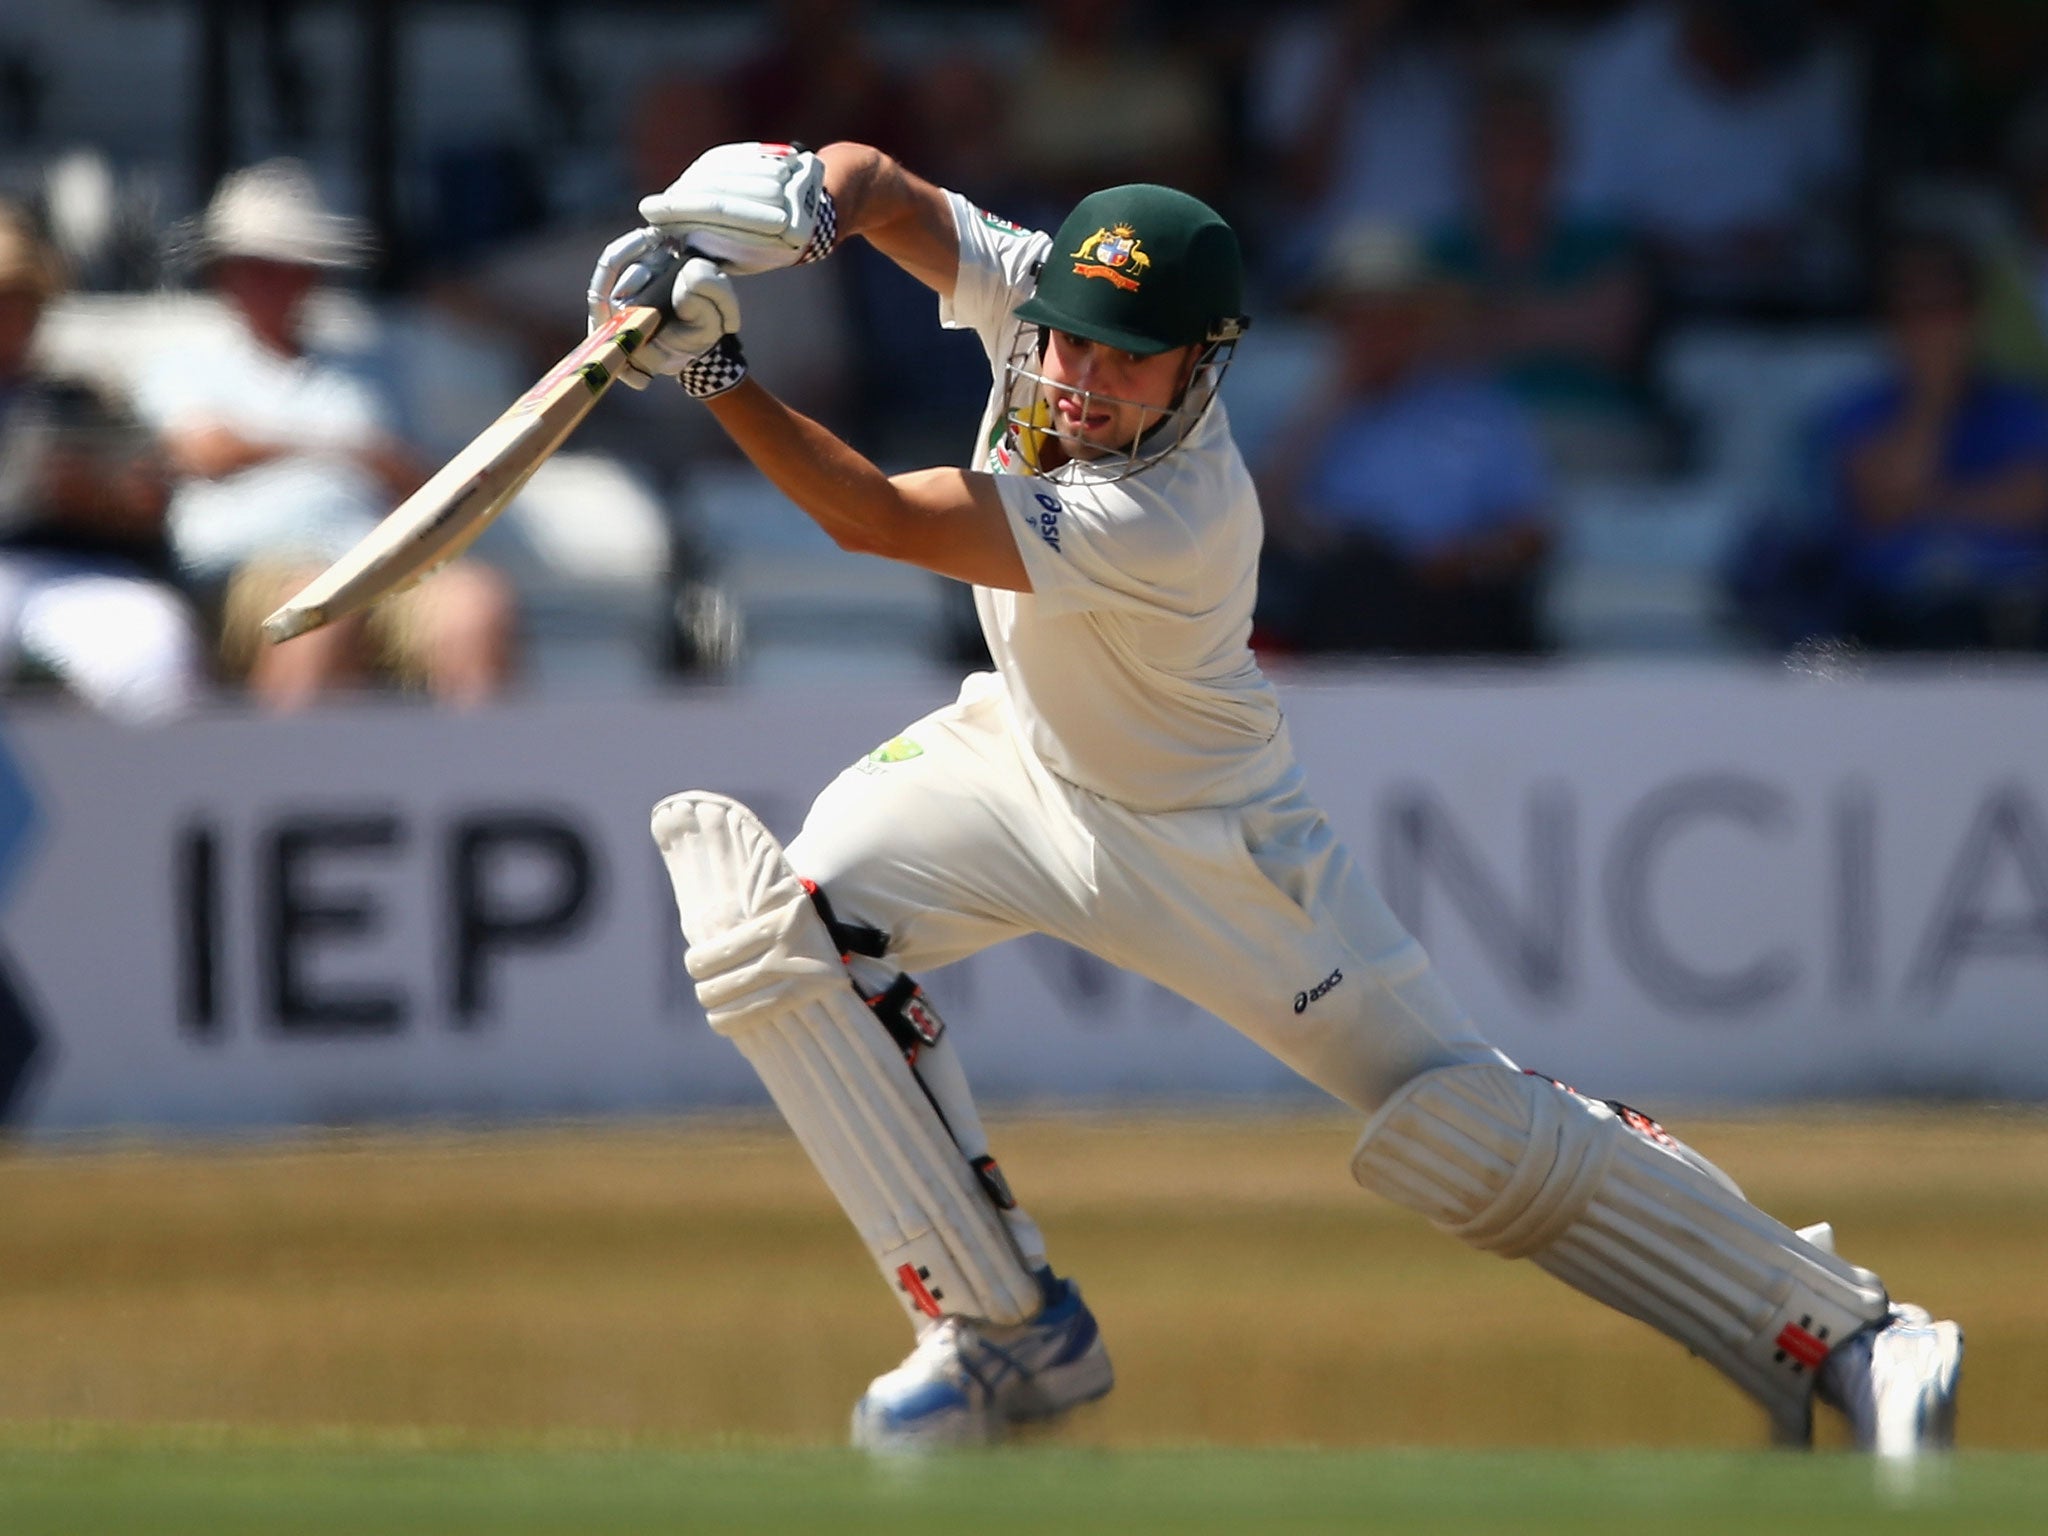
point(809, 607)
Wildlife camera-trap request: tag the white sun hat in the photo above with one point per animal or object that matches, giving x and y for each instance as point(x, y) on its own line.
point(274, 212)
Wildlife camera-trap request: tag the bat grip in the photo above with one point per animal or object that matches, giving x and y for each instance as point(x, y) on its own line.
point(662, 272)
point(657, 292)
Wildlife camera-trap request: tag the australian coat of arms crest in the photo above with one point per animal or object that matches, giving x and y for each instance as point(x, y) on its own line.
point(1113, 254)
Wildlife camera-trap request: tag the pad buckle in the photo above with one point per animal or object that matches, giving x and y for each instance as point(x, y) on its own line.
point(911, 1021)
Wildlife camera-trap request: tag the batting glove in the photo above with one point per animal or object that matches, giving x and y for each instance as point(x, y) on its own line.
point(751, 207)
point(623, 270)
point(706, 328)
point(631, 272)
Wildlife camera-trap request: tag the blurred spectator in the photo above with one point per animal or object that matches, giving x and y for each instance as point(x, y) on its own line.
point(1938, 476)
point(1407, 511)
point(1559, 300)
point(1361, 115)
point(287, 455)
point(1102, 99)
point(1723, 132)
point(86, 586)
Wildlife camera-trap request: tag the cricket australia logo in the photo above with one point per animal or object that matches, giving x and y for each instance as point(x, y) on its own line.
point(1113, 254)
point(897, 749)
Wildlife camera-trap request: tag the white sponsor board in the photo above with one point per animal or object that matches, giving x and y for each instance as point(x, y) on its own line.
point(1686, 884)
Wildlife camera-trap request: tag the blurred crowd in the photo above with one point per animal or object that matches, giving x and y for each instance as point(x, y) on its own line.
point(1489, 241)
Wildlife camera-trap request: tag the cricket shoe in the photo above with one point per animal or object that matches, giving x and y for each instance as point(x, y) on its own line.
point(968, 1381)
point(1896, 1382)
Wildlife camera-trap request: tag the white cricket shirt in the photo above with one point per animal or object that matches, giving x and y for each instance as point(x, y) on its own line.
point(313, 503)
point(1128, 665)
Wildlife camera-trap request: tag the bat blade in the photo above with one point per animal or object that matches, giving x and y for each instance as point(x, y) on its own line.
point(440, 519)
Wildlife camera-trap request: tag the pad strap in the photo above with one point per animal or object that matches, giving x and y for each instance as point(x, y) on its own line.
point(852, 938)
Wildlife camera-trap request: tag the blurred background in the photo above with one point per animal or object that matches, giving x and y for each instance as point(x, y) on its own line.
point(1696, 288)
point(1649, 400)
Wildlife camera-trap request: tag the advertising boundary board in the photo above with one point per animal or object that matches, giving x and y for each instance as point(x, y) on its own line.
point(1692, 883)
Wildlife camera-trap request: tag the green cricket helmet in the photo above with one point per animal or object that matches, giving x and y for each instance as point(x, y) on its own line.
point(1143, 268)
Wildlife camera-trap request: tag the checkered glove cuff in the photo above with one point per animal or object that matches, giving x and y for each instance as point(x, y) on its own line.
point(826, 235)
point(715, 371)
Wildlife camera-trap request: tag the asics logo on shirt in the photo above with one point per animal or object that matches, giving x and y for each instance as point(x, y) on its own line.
point(1049, 519)
point(1320, 989)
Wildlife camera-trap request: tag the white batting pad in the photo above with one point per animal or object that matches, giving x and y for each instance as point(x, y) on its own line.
point(1514, 1164)
point(772, 982)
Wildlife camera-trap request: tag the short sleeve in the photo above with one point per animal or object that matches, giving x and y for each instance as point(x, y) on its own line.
point(998, 271)
point(1099, 547)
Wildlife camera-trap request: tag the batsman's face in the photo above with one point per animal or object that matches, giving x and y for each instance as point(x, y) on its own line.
point(1104, 399)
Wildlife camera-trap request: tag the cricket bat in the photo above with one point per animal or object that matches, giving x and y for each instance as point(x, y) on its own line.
point(439, 520)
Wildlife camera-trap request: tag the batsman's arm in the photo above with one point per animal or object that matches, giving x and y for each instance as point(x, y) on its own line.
point(901, 215)
point(946, 520)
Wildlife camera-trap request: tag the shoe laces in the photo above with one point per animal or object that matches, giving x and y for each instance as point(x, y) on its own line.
point(963, 1350)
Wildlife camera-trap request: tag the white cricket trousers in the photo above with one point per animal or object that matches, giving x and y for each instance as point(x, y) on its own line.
point(1255, 912)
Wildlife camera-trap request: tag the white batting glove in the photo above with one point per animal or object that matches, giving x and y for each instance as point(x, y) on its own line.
point(706, 330)
point(704, 312)
point(751, 207)
point(623, 269)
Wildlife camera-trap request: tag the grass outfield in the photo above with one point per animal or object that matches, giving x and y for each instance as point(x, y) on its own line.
point(205, 1488)
point(678, 1289)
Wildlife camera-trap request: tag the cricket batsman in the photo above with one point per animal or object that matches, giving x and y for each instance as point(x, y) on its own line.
point(1123, 781)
